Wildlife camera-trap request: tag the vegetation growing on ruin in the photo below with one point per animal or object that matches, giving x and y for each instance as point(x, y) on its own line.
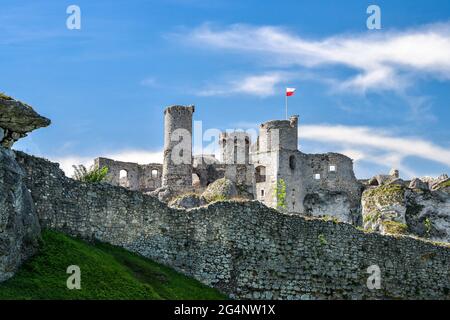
point(322, 239)
point(444, 184)
point(280, 194)
point(91, 175)
point(394, 227)
point(5, 97)
point(107, 272)
point(386, 194)
point(372, 217)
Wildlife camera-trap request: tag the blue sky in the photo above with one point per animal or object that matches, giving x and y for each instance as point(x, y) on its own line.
point(380, 96)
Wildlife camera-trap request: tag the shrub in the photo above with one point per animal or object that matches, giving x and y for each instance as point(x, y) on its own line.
point(322, 239)
point(94, 174)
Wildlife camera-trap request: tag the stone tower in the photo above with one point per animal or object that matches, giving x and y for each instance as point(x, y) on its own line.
point(276, 159)
point(177, 166)
point(278, 134)
point(235, 147)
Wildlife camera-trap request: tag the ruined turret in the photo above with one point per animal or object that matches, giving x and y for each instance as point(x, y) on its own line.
point(177, 166)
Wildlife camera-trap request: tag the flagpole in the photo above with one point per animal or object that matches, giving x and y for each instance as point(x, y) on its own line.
point(286, 106)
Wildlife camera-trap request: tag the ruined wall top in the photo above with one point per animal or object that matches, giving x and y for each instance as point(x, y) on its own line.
point(275, 124)
point(179, 108)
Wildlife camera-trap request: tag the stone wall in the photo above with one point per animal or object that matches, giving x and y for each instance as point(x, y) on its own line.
point(245, 249)
point(142, 177)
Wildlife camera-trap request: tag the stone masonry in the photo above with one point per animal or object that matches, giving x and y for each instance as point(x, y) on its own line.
point(246, 250)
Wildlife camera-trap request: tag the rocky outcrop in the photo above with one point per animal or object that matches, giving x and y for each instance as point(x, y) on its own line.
point(422, 209)
point(384, 209)
point(221, 189)
point(16, 120)
point(418, 184)
point(187, 201)
point(428, 213)
point(19, 226)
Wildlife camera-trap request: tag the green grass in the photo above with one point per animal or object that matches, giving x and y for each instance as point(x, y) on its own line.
point(107, 272)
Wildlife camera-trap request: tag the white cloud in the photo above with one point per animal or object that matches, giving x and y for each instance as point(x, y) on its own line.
point(387, 60)
point(136, 156)
point(261, 85)
point(376, 145)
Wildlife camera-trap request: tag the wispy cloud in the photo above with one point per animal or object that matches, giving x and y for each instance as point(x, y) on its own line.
point(262, 85)
point(376, 145)
point(383, 61)
point(149, 82)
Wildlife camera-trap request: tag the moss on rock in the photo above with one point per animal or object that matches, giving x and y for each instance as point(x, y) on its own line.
point(394, 227)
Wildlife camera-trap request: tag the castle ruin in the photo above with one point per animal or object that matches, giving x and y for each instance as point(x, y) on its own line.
point(315, 184)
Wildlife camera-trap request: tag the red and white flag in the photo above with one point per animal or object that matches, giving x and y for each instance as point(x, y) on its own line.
point(290, 92)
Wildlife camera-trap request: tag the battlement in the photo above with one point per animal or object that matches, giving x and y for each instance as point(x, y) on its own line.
point(180, 108)
point(278, 135)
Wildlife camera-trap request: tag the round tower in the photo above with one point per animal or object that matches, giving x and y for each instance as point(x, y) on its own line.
point(278, 134)
point(177, 165)
point(235, 147)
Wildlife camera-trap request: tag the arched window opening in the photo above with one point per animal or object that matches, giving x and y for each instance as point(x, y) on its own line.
point(154, 174)
point(123, 178)
point(123, 174)
point(260, 174)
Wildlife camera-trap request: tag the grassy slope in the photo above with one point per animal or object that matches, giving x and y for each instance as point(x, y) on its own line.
point(107, 272)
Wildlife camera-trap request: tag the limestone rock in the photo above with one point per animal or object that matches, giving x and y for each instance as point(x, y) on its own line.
point(441, 184)
point(394, 173)
point(19, 225)
point(383, 207)
point(417, 209)
point(418, 184)
point(381, 179)
point(16, 120)
point(428, 214)
point(330, 204)
point(221, 189)
point(187, 201)
point(396, 181)
point(164, 194)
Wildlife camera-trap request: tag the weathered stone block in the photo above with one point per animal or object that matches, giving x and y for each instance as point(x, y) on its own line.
point(19, 226)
